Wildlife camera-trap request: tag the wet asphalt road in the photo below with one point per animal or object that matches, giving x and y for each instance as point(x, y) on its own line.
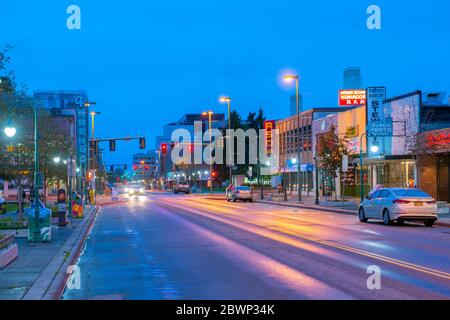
point(164, 246)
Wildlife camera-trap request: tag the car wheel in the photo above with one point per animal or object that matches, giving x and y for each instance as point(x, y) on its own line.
point(362, 215)
point(234, 199)
point(250, 200)
point(428, 223)
point(400, 222)
point(386, 217)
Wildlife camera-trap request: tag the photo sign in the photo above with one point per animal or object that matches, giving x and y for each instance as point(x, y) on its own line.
point(379, 123)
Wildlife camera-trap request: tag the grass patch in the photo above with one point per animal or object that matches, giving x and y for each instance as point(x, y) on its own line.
point(10, 223)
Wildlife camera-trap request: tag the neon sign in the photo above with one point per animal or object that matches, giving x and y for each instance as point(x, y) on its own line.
point(439, 140)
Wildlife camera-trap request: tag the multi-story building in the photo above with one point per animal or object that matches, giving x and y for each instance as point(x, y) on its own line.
point(145, 166)
point(352, 78)
point(293, 133)
point(70, 103)
point(167, 169)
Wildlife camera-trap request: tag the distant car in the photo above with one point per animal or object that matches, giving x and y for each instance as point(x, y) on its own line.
point(135, 190)
point(182, 186)
point(243, 193)
point(114, 194)
point(399, 204)
point(2, 205)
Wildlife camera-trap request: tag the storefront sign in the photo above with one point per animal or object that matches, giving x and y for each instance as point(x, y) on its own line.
point(379, 123)
point(438, 140)
point(352, 97)
point(352, 131)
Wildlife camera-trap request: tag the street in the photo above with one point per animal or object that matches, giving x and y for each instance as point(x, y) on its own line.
point(164, 246)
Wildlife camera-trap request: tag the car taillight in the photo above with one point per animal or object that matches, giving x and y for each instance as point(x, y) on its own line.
point(431, 202)
point(398, 201)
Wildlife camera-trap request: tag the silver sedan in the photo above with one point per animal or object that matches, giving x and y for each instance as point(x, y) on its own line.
point(239, 193)
point(399, 204)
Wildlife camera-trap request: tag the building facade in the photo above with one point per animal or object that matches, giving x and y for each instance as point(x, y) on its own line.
point(70, 103)
point(297, 132)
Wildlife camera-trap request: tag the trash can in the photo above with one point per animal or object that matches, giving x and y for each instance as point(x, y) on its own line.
point(45, 222)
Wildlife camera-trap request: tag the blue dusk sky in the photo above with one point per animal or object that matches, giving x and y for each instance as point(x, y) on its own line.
point(147, 63)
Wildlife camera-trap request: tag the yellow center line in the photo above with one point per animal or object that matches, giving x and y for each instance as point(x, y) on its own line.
point(397, 262)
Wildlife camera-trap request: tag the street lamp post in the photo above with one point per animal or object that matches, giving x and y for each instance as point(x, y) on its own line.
point(228, 101)
point(317, 200)
point(209, 114)
point(94, 153)
point(290, 78)
point(10, 132)
point(87, 104)
point(361, 177)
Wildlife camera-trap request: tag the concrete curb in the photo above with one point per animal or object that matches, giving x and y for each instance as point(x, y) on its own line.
point(50, 284)
point(303, 206)
point(327, 209)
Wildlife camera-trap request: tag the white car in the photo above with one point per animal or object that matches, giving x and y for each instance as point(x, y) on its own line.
point(399, 204)
point(134, 190)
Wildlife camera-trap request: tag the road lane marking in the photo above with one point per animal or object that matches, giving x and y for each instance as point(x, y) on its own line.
point(272, 269)
point(397, 262)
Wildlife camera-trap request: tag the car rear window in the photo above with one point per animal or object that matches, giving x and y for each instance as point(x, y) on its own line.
point(414, 193)
point(243, 188)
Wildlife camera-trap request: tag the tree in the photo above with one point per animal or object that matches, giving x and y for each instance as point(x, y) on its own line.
point(236, 121)
point(331, 149)
point(17, 154)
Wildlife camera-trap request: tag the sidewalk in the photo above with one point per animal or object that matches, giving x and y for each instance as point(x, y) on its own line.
point(40, 270)
point(309, 203)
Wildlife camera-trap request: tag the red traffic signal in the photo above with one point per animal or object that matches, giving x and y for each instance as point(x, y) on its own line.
point(214, 174)
point(164, 148)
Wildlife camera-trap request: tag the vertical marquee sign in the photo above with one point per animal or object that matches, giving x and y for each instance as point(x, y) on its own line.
point(269, 125)
point(378, 123)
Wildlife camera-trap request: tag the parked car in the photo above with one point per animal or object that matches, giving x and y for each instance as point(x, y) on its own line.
point(135, 190)
point(399, 204)
point(239, 193)
point(182, 186)
point(2, 205)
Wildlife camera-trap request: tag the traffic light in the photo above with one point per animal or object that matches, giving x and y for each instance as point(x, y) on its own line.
point(125, 167)
point(214, 174)
point(112, 168)
point(142, 143)
point(164, 148)
point(112, 145)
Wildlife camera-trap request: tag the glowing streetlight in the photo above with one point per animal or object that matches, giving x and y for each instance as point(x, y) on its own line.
point(227, 100)
point(10, 132)
point(56, 159)
point(289, 78)
point(374, 148)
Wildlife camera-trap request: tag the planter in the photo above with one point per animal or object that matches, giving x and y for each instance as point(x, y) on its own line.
point(6, 241)
point(9, 250)
point(18, 233)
